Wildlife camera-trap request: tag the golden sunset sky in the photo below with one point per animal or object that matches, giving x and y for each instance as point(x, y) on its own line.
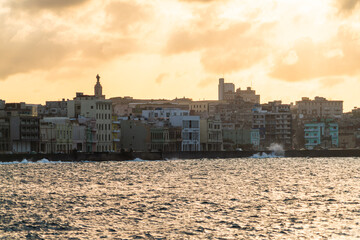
point(286, 49)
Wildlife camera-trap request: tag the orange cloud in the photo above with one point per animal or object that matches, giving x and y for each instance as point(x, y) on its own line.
point(337, 57)
point(44, 4)
point(223, 50)
point(56, 44)
point(347, 5)
point(161, 77)
point(124, 16)
point(200, 1)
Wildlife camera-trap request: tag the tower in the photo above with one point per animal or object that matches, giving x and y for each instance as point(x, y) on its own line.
point(98, 87)
point(221, 89)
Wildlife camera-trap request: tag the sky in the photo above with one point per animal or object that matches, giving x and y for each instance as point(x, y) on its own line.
point(284, 49)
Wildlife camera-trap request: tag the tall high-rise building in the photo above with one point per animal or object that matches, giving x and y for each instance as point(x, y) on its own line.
point(221, 89)
point(225, 88)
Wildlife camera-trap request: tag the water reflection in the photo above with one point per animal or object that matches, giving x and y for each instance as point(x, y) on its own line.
point(191, 199)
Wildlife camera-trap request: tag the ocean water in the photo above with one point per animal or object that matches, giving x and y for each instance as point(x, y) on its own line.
point(272, 198)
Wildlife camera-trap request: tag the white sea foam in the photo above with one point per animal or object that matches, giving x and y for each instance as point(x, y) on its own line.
point(138, 160)
point(265, 155)
point(277, 151)
point(25, 161)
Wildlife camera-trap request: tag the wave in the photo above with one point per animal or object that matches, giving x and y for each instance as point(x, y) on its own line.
point(265, 155)
point(25, 161)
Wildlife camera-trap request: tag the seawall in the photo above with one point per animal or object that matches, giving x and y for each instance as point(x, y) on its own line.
point(106, 156)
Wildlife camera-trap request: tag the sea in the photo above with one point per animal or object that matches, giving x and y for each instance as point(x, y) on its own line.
point(248, 198)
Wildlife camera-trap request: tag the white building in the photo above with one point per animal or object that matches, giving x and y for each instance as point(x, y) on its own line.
point(62, 140)
point(98, 108)
point(190, 131)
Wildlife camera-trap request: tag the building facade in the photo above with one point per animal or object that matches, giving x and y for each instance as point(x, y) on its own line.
point(323, 135)
point(211, 135)
point(274, 121)
point(190, 131)
point(319, 108)
point(98, 108)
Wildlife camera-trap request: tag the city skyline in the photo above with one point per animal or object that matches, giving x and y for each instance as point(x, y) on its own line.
point(285, 50)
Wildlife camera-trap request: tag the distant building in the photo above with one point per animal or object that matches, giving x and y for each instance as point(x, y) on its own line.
point(98, 108)
point(24, 133)
point(62, 141)
point(319, 108)
point(20, 109)
point(274, 121)
point(225, 88)
point(166, 138)
point(211, 134)
point(5, 145)
point(53, 109)
point(204, 108)
point(135, 135)
point(321, 134)
point(246, 139)
point(98, 88)
point(190, 131)
point(248, 95)
point(163, 114)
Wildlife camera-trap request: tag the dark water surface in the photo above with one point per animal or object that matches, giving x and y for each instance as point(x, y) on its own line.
point(192, 199)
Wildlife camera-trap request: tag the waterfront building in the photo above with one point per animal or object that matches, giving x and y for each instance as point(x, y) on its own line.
point(274, 121)
point(165, 138)
point(190, 131)
point(98, 108)
point(63, 134)
point(321, 134)
point(19, 127)
point(84, 135)
point(24, 133)
point(5, 145)
point(319, 108)
point(47, 137)
point(245, 139)
point(116, 133)
point(211, 134)
point(135, 135)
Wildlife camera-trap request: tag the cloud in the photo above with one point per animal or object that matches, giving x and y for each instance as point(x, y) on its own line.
point(45, 4)
point(347, 5)
point(225, 49)
point(207, 81)
point(37, 52)
point(337, 57)
point(124, 16)
point(57, 44)
point(161, 77)
point(200, 1)
point(331, 81)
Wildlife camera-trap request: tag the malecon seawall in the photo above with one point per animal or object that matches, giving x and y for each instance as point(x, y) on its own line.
point(109, 156)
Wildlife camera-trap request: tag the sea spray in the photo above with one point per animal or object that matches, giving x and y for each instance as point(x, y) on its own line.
point(25, 161)
point(277, 151)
